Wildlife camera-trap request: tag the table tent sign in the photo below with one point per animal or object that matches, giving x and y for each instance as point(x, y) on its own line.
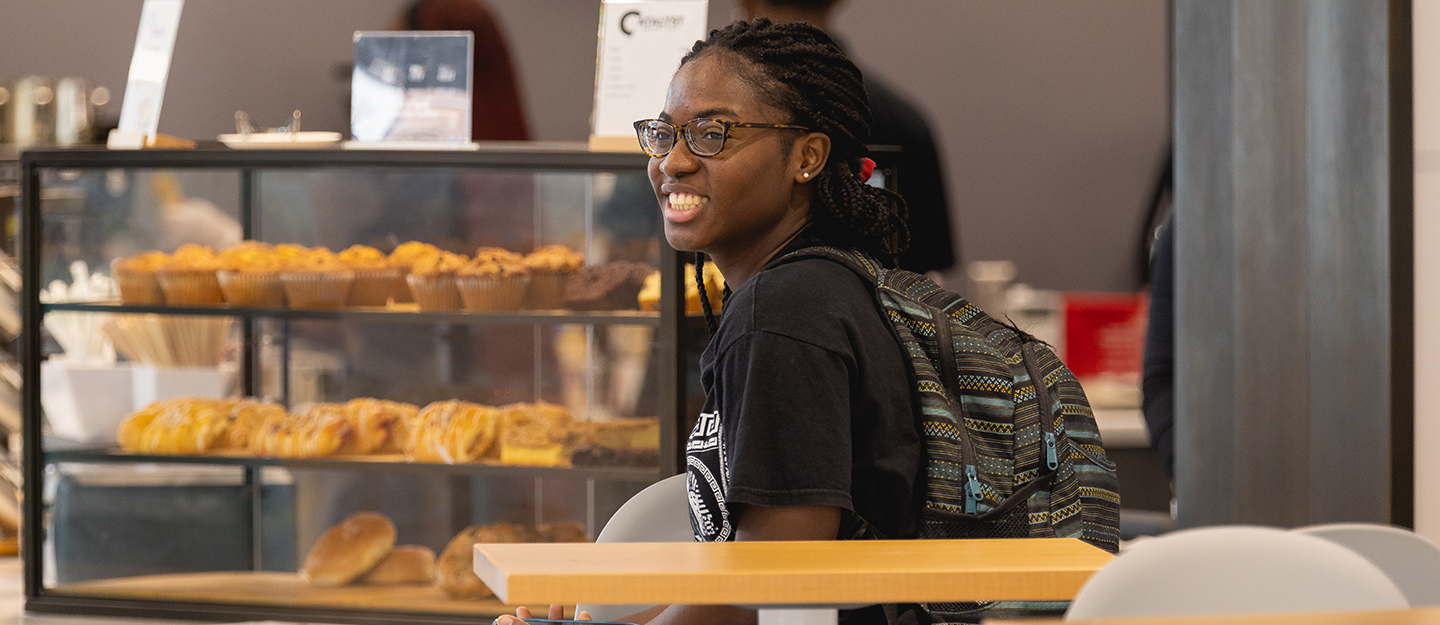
point(412, 90)
point(149, 69)
point(640, 46)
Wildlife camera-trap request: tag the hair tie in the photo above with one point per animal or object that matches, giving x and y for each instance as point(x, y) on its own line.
point(867, 167)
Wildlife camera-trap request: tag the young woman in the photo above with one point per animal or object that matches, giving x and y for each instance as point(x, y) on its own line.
point(808, 421)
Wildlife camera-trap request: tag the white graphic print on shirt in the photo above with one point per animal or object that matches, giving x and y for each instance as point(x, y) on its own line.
point(707, 481)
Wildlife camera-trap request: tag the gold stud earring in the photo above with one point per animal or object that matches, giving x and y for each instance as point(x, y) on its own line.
point(806, 175)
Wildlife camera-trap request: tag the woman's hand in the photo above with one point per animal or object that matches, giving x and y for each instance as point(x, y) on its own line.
point(521, 613)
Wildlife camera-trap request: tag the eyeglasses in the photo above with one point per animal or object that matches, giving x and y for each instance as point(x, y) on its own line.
point(704, 136)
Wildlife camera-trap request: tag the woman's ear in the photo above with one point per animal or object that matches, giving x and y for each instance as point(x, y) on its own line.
point(809, 155)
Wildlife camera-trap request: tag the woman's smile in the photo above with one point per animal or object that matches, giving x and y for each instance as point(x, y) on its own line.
point(680, 206)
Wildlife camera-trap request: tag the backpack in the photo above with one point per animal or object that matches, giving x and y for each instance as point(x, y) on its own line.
point(1004, 457)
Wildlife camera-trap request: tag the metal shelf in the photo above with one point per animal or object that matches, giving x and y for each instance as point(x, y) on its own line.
point(379, 315)
point(491, 154)
point(57, 602)
point(388, 464)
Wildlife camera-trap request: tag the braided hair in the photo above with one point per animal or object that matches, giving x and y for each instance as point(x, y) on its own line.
point(800, 69)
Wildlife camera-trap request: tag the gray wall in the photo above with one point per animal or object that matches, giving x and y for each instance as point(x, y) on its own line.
point(1052, 116)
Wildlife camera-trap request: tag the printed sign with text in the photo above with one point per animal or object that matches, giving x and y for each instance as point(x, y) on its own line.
point(641, 44)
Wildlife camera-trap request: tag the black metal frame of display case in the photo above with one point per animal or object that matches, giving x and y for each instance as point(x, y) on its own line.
point(669, 344)
point(219, 612)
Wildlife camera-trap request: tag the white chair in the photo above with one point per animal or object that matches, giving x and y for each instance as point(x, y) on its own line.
point(1234, 570)
point(1411, 560)
point(658, 514)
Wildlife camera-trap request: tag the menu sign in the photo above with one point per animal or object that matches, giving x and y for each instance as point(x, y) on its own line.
point(641, 44)
point(149, 69)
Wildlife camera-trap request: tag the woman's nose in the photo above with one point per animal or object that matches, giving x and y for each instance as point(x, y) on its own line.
point(679, 161)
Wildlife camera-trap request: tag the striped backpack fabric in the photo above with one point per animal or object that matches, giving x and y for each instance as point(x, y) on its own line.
point(1005, 457)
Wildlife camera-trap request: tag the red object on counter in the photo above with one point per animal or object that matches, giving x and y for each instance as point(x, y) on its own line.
point(1105, 334)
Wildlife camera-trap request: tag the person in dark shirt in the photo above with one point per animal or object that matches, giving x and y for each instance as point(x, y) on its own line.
point(1159, 374)
point(896, 122)
point(809, 418)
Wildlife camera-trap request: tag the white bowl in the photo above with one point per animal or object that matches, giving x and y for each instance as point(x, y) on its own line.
point(85, 401)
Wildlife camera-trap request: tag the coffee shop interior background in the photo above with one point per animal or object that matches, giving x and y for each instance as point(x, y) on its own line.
point(1052, 119)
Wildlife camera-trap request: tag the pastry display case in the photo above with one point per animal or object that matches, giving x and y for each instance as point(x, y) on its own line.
point(298, 384)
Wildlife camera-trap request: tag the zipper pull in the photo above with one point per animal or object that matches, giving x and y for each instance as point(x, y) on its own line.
point(972, 489)
point(1052, 460)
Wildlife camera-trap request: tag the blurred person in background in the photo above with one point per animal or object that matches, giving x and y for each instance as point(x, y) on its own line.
point(897, 122)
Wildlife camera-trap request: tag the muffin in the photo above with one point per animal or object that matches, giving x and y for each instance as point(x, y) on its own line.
point(550, 267)
point(493, 282)
point(188, 277)
point(403, 259)
point(136, 278)
point(375, 279)
point(291, 254)
point(249, 275)
point(432, 281)
point(319, 280)
point(498, 254)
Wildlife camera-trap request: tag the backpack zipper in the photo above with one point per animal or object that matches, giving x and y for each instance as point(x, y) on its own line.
point(948, 369)
point(972, 489)
point(1047, 414)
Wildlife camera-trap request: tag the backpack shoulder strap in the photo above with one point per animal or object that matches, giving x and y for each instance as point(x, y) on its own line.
point(862, 264)
point(899, 282)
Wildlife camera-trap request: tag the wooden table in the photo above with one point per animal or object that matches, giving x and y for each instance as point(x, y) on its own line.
point(1413, 616)
point(790, 582)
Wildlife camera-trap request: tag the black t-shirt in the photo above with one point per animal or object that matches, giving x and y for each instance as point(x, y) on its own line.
point(808, 402)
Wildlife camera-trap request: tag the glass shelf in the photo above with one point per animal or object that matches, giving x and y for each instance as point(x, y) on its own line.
point(382, 315)
point(387, 463)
